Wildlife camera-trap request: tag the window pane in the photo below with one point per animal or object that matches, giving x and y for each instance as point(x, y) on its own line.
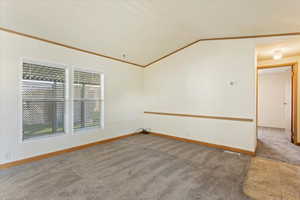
point(42, 118)
point(78, 115)
point(86, 114)
point(78, 92)
point(43, 73)
point(87, 99)
point(43, 91)
point(92, 92)
point(92, 113)
point(33, 89)
point(86, 78)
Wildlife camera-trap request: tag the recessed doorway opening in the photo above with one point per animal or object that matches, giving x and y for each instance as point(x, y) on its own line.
point(276, 112)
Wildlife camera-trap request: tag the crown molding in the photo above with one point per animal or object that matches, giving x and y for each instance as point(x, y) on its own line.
point(69, 46)
point(155, 61)
point(222, 38)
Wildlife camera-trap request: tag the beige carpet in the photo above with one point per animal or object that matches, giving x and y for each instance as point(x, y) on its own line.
point(272, 180)
point(142, 167)
point(276, 144)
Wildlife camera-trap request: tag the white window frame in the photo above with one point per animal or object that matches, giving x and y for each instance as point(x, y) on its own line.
point(85, 130)
point(20, 97)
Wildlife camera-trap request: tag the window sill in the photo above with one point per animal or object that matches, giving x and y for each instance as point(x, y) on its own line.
point(43, 137)
point(86, 130)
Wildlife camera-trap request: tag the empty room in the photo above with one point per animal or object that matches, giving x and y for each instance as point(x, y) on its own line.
point(149, 100)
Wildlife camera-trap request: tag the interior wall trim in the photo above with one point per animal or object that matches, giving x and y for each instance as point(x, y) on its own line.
point(222, 38)
point(69, 46)
point(217, 146)
point(201, 116)
point(155, 61)
point(56, 153)
point(276, 65)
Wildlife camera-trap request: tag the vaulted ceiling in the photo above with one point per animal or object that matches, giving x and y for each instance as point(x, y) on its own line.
point(144, 30)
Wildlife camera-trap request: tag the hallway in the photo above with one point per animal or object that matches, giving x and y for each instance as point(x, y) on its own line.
point(274, 172)
point(275, 144)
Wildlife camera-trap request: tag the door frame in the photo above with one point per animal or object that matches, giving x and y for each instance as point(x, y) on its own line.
point(294, 113)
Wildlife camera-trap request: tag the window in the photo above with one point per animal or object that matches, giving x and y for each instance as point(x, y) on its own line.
point(46, 106)
point(43, 92)
point(87, 100)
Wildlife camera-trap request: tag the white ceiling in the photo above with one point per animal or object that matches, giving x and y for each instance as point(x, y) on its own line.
point(288, 47)
point(145, 30)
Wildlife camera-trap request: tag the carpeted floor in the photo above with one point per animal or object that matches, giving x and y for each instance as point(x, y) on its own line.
point(272, 180)
point(276, 144)
point(142, 167)
point(274, 174)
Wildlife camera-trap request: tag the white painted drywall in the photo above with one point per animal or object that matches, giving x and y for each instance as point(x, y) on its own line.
point(274, 92)
point(193, 81)
point(197, 81)
point(145, 30)
point(123, 96)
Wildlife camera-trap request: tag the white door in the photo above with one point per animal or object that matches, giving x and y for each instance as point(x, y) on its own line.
point(274, 98)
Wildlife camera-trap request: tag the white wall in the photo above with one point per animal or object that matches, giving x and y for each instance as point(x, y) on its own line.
point(273, 91)
point(192, 81)
point(123, 96)
point(196, 81)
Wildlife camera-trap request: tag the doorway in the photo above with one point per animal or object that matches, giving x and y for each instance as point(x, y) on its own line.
point(276, 112)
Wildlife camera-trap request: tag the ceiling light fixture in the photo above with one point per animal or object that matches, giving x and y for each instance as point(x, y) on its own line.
point(277, 54)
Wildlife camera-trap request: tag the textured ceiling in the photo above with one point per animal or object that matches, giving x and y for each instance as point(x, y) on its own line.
point(145, 30)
